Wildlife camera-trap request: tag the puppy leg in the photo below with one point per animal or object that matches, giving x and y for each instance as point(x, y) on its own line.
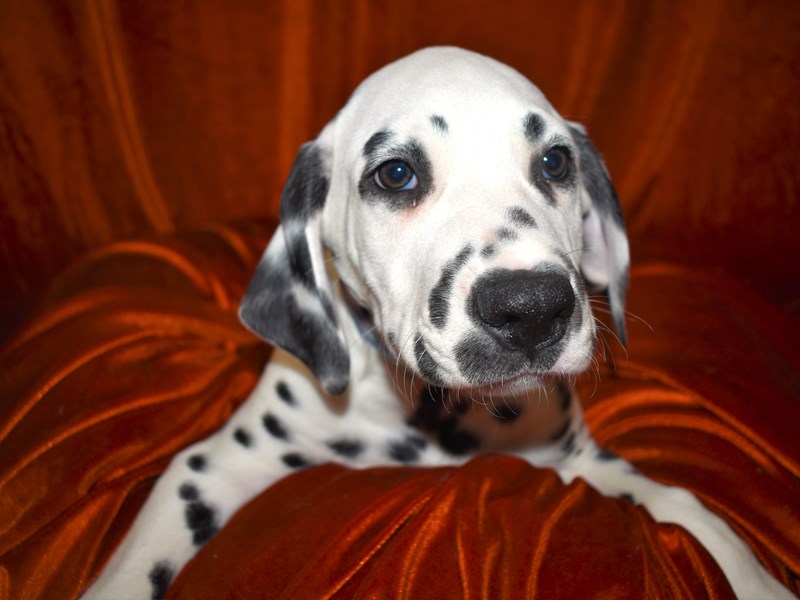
point(200, 490)
point(613, 476)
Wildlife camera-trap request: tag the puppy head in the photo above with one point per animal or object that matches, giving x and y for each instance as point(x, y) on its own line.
point(463, 213)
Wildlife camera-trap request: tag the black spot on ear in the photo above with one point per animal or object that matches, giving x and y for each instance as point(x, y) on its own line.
point(242, 437)
point(521, 217)
point(285, 394)
point(506, 414)
point(439, 300)
point(439, 123)
point(533, 126)
point(347, 448)
point(197, 462)
point(160, 577)
point(201, 519)
point(295, 460)
point(188, 491)
point(274, 427)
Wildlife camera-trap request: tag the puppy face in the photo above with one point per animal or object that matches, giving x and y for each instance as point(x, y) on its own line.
point(457, 207)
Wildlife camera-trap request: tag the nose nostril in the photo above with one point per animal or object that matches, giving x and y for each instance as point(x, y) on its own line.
point(526, 310)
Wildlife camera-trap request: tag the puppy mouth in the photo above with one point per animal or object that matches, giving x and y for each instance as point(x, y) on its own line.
point(481, 365)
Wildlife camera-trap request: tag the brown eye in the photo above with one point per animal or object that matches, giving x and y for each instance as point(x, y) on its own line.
point(395, 176)
point(555, 164)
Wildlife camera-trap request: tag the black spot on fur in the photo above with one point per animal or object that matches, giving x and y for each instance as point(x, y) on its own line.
point(439, 123)
point(439, 300)
point(533, 126)
point(488, 250)
point(160, 577)
point(347, 448)
point(606, 455)
point(197, 462)
point(201, 519)
point(242, 437)
point(506, 414)
point(378, 140)
point(274, 427)
point(295, 460)
point(504, 233)
point(307, 187)
point(427, 366)
point(521, 217)
point(285, 394)
point(431, 416)
point(458, 442)
point(416, 441)
point(629, 497)
point(569, 443)
point(188, 491)
point(403, 451)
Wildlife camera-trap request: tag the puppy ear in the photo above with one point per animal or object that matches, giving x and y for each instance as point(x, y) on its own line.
point(289, 300)
point(606, 257)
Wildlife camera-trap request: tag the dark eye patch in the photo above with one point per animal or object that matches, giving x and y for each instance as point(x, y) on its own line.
point(553, 168)
point(382, 150)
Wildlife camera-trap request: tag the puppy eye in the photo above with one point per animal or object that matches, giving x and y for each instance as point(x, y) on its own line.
point(395, 176)
point(555, 164)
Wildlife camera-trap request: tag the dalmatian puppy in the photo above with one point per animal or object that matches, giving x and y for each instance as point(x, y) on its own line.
point(427, 295)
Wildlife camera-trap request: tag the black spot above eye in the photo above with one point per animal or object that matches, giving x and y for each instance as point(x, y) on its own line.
point(556, 164)
point(395, 176)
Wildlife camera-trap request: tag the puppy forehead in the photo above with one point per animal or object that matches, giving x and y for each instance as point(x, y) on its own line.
point(439, 87)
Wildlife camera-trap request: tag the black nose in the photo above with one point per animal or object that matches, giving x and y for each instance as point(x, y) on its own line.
point(525, 310)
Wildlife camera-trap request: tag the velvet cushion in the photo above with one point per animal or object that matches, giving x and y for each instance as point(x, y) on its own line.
point(138, 352)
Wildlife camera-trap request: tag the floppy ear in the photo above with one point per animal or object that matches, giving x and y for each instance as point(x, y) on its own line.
point(289, 300)
point(606, 258)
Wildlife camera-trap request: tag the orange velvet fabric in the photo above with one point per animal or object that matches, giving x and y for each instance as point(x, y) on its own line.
point(138, 353)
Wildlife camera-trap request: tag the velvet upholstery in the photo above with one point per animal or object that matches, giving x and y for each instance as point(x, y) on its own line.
point(146, 145)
